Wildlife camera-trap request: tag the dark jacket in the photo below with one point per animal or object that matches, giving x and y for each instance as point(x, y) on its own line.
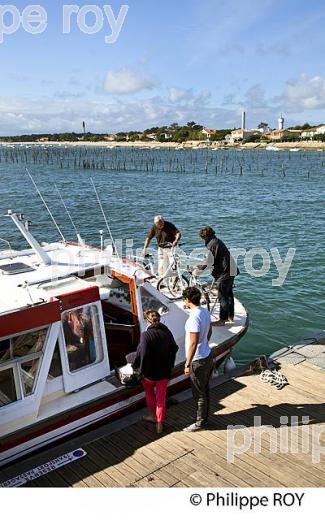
point(223, 264)
point(166, 234)
point(156, 353)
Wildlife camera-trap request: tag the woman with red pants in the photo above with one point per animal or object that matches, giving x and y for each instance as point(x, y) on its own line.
point(155, 357)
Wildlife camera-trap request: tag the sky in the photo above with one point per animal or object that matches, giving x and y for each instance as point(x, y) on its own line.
point(172, 61)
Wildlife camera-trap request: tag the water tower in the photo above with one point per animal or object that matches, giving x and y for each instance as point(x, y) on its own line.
point(281, 122)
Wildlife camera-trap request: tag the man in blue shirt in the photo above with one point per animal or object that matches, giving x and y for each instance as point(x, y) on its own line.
point(199, 359)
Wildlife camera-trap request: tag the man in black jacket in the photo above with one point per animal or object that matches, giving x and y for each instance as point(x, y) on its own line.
point(224, 270)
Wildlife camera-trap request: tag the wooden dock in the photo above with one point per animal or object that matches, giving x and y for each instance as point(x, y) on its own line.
point(135, 456)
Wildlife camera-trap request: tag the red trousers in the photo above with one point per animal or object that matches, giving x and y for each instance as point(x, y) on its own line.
point(156, 403)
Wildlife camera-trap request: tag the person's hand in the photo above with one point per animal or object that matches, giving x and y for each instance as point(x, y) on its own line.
point(187, 371)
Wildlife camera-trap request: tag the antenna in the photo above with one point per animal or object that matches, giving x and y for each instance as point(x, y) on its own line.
point(80, 240)
point(102, 210)
point(46, 206)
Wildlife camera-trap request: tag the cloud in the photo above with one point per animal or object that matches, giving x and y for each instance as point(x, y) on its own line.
point(66, 94)
point(280, 48)
point(16, 76)
point(178, 95)
point(255, 97)
point(45, 115)
point(127, 81)
point(232, 48)
point(302, 98)
point(304, 92)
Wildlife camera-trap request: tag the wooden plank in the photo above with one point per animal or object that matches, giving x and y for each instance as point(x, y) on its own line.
point(119, 473)
point(137, 457)
point(106, 448)
point(310, 479)
point(286, 463)
point(208, 459)
point(148, 461)
point(211, 444)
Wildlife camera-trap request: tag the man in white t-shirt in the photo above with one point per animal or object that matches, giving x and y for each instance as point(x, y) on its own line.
point(199, 359)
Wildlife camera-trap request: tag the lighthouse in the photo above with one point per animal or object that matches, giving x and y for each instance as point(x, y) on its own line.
point(281, 122)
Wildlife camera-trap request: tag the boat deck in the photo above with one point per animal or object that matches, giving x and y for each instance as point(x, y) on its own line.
point(130, 454)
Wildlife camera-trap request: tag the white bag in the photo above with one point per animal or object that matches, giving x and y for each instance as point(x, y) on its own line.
point(128, 376)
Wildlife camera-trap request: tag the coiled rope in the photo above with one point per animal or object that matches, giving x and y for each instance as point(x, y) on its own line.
point(274, 377)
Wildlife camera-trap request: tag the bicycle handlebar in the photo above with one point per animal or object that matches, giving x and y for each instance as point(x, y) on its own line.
point(169, 245)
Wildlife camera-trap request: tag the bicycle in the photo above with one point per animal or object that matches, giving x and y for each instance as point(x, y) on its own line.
point(208, 289)
point(173, 281)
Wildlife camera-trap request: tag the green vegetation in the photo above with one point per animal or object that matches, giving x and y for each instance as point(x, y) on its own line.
point(302, 127)
point(70, 137)
point(253, 139)
point(319, 137)
point(290, 138)
point(220, 135)
point(174, 133)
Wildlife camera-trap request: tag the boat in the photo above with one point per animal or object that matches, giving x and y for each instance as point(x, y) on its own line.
point(271, 148)
point(69, 314)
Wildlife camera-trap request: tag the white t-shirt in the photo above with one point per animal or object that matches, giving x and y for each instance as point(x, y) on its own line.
point(198, 321)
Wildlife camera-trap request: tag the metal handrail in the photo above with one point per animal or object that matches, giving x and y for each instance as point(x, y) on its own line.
point(10, 248)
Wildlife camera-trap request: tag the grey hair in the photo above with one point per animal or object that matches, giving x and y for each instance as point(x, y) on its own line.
point(157, 218)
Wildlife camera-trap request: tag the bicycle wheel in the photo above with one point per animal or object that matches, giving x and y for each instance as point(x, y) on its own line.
point(173, 285)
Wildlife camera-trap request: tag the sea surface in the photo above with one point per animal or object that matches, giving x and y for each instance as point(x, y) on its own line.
point(253, 199)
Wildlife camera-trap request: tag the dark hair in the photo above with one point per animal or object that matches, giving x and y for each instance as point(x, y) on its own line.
point(207, 232)
point(193, 295)
point(152, 316)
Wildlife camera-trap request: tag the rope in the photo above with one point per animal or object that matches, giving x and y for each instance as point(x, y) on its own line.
point(274, 377)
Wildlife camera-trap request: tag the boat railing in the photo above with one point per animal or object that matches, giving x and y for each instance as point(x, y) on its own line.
point(9, 252)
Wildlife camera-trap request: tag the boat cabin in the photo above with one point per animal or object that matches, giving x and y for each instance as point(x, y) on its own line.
point(66, 324)
point(77, 337)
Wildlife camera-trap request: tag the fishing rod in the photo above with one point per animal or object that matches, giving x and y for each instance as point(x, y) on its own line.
point(105, 219)
point(80, 240)
point(44, 202)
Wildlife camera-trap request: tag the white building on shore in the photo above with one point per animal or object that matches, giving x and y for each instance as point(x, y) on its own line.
point(239, 134)
point(309, 133)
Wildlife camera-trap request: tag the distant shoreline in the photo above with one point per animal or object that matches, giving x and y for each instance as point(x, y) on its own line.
point(301, 145)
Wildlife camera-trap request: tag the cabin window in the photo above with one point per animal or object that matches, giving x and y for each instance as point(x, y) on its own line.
point(7, 387)
point(56, 366)
point(149, 301)
point(118, 292)
point(20, 358)
point(29, 371)
point(82, 335)
point(22, 345)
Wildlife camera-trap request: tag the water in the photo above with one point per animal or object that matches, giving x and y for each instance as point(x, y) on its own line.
point(252, 198)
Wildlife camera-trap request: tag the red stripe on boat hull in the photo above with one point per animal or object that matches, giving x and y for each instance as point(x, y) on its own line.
point(31, 318)
point(79, 298)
